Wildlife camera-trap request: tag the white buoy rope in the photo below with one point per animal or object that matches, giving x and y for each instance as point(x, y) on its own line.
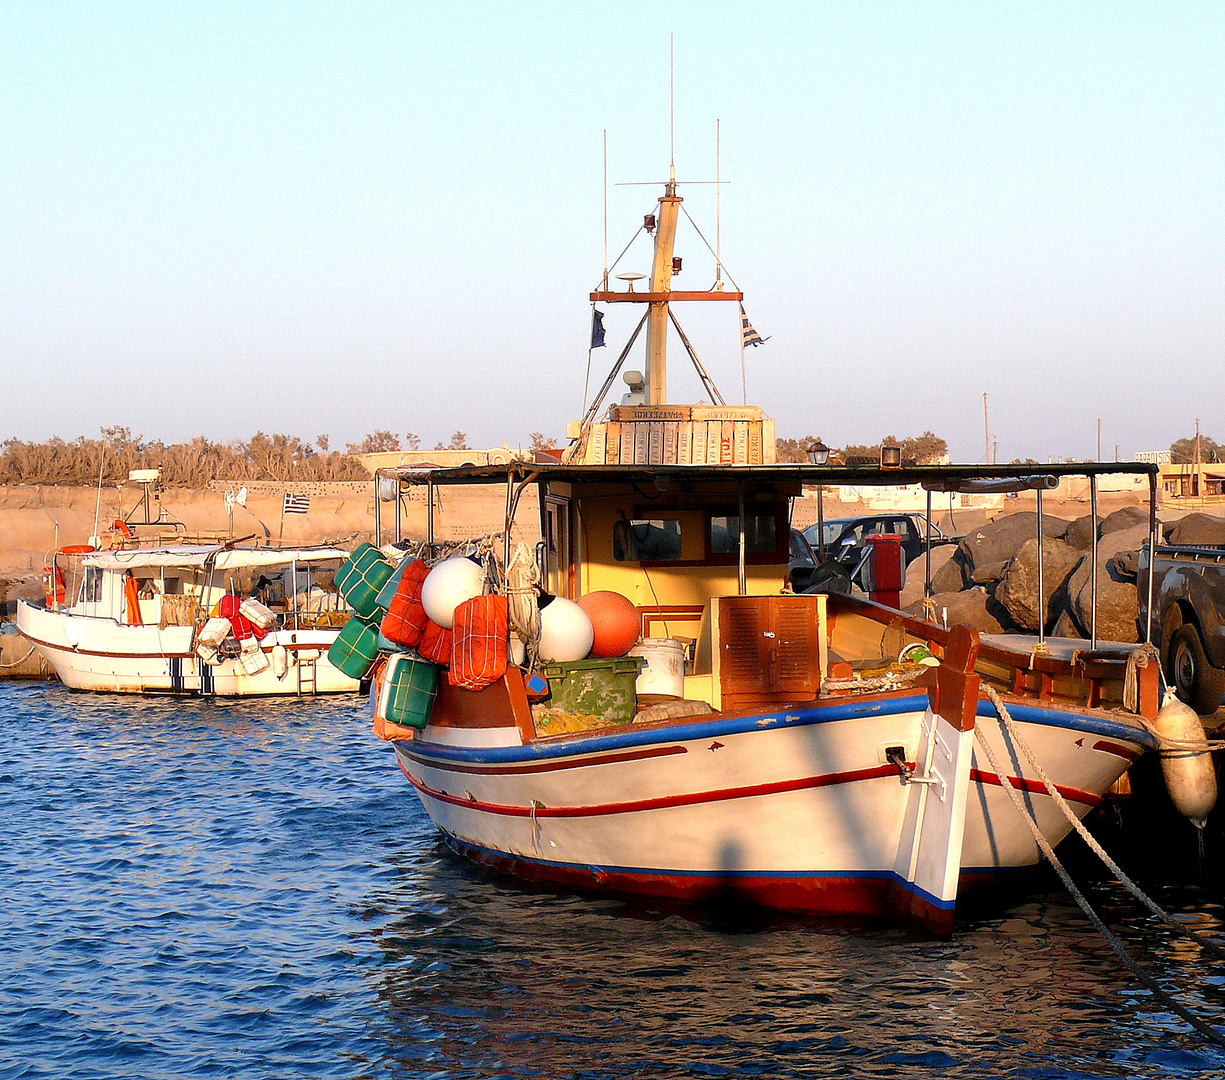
point(1044, 845)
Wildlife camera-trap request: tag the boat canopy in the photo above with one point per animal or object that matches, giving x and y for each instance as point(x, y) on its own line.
point(191, 557)
point(931, 477)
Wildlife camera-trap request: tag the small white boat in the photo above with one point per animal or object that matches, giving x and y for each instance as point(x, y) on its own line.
point(134, 621)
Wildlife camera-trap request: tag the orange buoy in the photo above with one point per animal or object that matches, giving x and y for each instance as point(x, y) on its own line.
point(614, 620)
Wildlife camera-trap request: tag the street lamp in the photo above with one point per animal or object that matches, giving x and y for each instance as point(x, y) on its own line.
point(818, 454)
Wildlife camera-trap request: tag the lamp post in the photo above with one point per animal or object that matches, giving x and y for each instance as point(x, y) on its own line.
point(818, 454)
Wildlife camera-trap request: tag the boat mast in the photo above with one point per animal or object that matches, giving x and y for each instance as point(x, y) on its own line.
point(661, 284)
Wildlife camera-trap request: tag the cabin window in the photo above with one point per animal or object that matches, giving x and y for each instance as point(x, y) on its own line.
point(647, 540)
point(760, 534)
point(91, 586)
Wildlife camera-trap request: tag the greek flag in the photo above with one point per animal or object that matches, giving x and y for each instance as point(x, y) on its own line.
point(296, 504)
point(749, 336)
point(597, 329)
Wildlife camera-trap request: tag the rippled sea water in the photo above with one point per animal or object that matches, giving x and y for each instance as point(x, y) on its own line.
point(196, 888)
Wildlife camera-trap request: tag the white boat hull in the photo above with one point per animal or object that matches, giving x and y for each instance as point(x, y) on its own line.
point(92, 653)
point(798, 810)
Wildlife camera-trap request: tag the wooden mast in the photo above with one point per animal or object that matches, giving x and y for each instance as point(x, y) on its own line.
point(661, 294)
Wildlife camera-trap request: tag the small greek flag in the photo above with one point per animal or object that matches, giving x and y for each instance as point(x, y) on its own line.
point(749, 336)
point(296, 504)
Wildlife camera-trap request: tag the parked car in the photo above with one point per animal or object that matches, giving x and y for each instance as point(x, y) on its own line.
point(810, 575)
point(846, 537)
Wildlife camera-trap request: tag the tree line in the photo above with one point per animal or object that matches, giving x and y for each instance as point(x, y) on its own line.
point(925, 449)
point(190, 464)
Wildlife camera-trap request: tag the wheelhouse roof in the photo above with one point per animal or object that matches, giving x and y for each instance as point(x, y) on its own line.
point(938, 477)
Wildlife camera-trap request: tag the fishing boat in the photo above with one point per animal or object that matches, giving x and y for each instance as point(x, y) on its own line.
point(225, 618)
point(820, 753)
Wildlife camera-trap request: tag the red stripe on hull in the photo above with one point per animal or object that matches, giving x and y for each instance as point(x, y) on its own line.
point(1128, 753)
point(815, 895)
point(1036, 787)
point(662, 802)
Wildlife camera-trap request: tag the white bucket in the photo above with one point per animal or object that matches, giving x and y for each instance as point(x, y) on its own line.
point(664, 675)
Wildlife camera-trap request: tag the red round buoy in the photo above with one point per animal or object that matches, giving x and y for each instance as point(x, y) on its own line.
point(615, 621)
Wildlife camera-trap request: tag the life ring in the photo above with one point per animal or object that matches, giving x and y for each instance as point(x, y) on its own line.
point(122, 527)
point(78, 549)
point(53, 586)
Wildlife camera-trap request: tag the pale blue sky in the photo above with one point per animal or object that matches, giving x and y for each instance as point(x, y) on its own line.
point(307, 218)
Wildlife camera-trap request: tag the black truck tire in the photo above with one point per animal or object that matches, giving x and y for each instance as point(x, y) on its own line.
point(1196, 681)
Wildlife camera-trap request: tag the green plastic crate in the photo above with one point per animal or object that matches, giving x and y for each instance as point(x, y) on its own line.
point(410, 688)
point(603, 688)
point(355, 648)
point(360, 578)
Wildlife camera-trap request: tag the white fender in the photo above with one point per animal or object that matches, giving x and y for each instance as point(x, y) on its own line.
point(1186, 761)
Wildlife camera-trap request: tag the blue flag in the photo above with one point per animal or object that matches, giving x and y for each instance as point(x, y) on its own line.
point(597, 329)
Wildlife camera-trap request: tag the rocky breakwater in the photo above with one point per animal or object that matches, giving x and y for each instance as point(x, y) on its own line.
point(989, 580)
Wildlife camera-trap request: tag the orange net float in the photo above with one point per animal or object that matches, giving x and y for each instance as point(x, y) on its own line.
point(614, 620)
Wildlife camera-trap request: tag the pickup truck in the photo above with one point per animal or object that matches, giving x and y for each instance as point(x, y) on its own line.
point(1188, 619)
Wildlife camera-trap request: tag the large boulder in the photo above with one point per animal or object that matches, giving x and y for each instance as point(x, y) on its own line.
point(972, 607)
point(1118, 603)
point(988, 550)
point(1197, 530)
point(1126, 518)
point(1065, 626)
point(1080, 532)
point(916, 574)
point(1018, 587)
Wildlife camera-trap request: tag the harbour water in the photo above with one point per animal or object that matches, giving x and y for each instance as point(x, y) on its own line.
point(199, 888)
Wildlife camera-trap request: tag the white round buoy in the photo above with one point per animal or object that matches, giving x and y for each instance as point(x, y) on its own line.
point(448, 585)
point(565, 631)
point(1186, 761)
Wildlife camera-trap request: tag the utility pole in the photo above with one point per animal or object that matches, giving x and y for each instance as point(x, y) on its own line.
point(1199, 459)
point(986, 433)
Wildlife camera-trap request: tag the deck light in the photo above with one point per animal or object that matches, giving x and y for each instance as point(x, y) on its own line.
point(890, 457)
point(818, 453)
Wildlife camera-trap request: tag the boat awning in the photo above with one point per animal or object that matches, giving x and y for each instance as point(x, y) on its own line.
point(934, 477)
point(194, 558)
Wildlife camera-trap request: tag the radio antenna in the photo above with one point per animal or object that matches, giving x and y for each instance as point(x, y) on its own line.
point(672, 105)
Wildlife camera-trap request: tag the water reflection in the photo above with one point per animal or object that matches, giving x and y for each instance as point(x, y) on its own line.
point(480, 973)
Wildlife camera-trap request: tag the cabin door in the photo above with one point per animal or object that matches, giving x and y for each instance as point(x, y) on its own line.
point(556, 562)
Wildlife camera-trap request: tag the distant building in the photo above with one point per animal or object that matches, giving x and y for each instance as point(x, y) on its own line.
point(442, 459)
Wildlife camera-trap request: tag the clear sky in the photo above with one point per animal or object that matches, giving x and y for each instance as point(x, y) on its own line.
point(334, 218)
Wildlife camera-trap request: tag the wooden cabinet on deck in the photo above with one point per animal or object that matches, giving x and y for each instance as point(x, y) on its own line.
point(770, 649)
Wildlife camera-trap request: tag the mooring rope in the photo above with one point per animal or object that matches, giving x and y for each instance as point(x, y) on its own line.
point(1135, 890)
point(18, 663)
point(1045, 847)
